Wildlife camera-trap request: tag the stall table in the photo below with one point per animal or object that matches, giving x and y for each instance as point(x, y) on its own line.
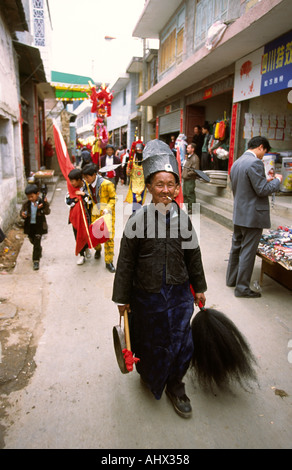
point(276, 271)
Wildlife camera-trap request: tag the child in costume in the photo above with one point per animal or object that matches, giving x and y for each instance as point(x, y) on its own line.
point(103, 199)
point(75, 177)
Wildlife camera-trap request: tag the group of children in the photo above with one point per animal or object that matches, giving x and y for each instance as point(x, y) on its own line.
point(97, 196)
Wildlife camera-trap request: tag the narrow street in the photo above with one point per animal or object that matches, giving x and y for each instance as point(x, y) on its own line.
point(76, 397)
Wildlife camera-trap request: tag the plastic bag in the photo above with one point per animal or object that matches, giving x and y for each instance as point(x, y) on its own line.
point(215, 33)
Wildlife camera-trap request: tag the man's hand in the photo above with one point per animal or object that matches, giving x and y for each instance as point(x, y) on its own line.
point(123, 308)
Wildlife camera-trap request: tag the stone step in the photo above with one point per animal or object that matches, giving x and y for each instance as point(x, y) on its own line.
point(215, 213)
point(213, 199)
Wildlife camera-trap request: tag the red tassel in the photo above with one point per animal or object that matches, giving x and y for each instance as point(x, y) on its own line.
point(129, 359)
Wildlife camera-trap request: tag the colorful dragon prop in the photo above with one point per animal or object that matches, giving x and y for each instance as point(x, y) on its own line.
point(101, 105)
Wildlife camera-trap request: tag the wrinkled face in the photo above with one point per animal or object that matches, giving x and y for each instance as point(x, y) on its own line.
point(163, 187)
point(89, 178)
point(33, 197)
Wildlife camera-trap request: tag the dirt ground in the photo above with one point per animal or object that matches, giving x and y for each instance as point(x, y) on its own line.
point(10, 248)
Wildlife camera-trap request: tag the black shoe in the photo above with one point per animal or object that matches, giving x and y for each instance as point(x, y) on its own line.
point(97, 254)
point(249, 294)
point(36, 265)
point(182, 405)
point(110, 267)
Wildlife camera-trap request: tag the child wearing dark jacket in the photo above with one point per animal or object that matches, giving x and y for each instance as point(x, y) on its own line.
point(34, 212)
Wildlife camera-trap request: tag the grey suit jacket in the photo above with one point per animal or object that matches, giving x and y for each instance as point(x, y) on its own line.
point(251, 190)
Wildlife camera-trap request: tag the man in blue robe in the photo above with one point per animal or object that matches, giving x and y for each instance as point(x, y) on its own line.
point(158, 261)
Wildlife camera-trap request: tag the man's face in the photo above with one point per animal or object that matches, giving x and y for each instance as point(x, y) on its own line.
point(261, 151)
point(89, 178)
point(196, 130)
point(163, 187)
point(110, 151)
point(190, 149)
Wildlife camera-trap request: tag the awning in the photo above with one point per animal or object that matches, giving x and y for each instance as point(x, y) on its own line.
point(30, 63)
point(70, 87)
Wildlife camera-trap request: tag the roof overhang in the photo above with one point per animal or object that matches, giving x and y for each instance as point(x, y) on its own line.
point(263, 23)
point(70, 87)
point(30, 63)
point(153, 18)
point(136, 65)
point(120, 84)
point(14, 15)
point(45, 91)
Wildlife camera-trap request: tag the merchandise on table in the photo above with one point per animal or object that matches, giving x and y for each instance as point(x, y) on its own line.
point(276, 245)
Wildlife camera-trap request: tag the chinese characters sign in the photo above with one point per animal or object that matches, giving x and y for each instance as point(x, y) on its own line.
point(277, 65)
point(266, 70)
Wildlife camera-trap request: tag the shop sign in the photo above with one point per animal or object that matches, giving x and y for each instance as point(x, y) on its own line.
point(247, 81)
point(167, 109)
point(266, 70)
point(208, 93)
point(277, 65)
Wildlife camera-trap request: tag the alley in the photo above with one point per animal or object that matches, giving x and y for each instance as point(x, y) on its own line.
point(77, 398)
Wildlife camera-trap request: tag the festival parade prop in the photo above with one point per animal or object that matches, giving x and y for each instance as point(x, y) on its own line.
point(122, 345)
point(221, 353)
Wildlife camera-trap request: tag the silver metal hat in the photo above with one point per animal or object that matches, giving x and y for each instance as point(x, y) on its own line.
point(157, 156)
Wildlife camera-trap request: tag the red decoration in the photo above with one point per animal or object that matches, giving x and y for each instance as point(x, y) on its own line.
point(129, 359)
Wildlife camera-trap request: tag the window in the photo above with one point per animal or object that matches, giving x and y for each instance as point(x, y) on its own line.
point(172, 41)
point(124, 97)
point(207, 12)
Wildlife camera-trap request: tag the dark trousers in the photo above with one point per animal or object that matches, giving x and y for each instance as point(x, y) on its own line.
point(205, 161)
point(244, 246)
point(189, 187)
point(35, 239)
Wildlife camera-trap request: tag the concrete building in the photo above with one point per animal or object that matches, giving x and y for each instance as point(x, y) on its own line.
point(124, 124)
point(24, 30)
point(221, 60)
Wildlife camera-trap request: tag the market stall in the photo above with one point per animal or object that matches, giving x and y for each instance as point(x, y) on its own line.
point(275, 251)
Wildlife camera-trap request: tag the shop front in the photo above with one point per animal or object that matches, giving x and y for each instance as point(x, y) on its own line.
point(212, 105)
point(262, 83)
point(262, 106)
point(169, 121)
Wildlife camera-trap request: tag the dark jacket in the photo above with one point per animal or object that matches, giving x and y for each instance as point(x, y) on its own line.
point(41, 222)
point(148, 248)
point(116, 161)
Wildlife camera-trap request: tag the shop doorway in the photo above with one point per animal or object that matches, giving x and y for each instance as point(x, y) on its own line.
point(194, 115)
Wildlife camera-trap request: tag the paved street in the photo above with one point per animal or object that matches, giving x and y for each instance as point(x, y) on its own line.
point(75, 397)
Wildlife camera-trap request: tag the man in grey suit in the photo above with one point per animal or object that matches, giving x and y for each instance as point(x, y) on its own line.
point(251, 213)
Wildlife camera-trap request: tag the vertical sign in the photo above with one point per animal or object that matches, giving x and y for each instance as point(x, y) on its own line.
point(232, 136)
point(157, 127)
point(181, 121)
